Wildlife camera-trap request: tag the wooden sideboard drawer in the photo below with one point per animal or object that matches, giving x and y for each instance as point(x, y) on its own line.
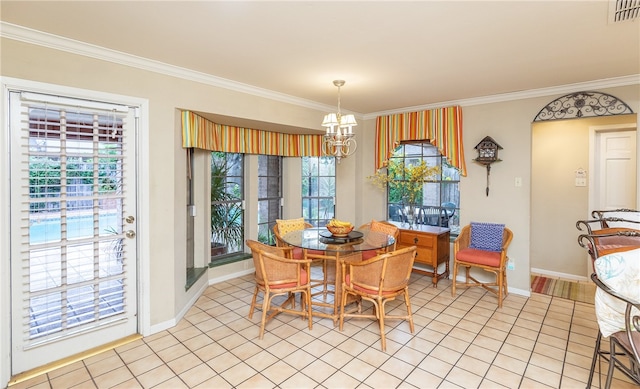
point(416, 239)
point(432, 248)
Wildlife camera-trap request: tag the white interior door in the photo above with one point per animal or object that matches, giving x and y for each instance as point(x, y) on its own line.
point(73, 219)
point(616, 172)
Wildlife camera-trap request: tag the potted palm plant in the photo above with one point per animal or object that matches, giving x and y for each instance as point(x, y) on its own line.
point(227, 229)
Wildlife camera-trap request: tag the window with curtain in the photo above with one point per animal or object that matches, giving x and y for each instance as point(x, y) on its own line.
point(269, 196)
point(318, 189)
point(440, 201)
point(227, 211)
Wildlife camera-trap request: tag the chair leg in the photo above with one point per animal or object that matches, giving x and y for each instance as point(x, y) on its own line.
point(265, 308)
point(253, 302)
point(408, 304)
point(381, 322)
point(343, 302)
point(596, 353)
point(307, 297)
point(454, 275)
point(612, 355)
point(500, 280)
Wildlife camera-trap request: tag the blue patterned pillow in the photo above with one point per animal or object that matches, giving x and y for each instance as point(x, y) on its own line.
point(486, 236)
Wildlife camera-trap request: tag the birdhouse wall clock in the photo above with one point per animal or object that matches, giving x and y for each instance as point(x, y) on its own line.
point(487, 154)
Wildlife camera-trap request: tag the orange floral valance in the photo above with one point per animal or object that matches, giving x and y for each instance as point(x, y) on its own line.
point(442, 127)
point(201, 133)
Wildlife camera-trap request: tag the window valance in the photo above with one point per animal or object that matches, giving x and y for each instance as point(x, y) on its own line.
point(442, 127)
point(200, 133)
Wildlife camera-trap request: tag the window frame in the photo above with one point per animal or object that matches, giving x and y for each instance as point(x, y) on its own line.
point(445, 186)
point(229, 198)
point(265, 227)
point(312, 169)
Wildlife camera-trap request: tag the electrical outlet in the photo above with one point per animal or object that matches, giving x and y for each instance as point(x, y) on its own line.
point(510, 265)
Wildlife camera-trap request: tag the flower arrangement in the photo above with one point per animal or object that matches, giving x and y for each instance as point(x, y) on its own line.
point(405, 182)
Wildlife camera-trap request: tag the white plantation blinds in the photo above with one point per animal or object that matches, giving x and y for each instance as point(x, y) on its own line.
point(68, 204)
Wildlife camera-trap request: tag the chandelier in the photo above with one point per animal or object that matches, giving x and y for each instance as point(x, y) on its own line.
point(338, 140)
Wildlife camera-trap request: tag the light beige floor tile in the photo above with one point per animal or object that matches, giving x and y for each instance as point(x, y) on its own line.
point(503, 377)
point(320, 371)
point(155, 376)
point(380, 379)
point(71, 378)
point(510, 363)
point(436, 366)
point(397, 368)
point(339, 380)
point(258, 381)
point(66, 369)
point(542, 375)
point(197, 375)
point(128, 384)
point(113, 378)
point(241, 372)
point(423, 379)
point(145, 364)
point(105, 365)
point(172, 383)
point(473, 365)
point(336, 357)
point(278, 372)
point(136, 353)
point(358, 369)
point(463, 378)
point(297, 381)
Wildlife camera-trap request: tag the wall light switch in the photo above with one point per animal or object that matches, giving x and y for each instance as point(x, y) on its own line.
point(581, 182)
point(518, 182)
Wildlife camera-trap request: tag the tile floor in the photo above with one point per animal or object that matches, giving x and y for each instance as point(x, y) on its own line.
point(461, 342)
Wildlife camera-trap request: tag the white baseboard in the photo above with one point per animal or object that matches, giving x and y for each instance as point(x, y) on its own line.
point(554, 274)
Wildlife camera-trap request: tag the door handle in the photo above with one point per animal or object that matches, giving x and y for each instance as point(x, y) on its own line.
point(129, 219)
point(130, 234)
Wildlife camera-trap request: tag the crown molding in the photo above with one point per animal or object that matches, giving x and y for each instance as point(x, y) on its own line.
point(27, 35)
point(633, 79)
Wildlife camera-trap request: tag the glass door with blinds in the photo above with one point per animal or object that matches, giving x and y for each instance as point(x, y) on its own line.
point(73, 219)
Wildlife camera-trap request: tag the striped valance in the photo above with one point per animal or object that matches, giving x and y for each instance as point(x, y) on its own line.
point(442, 127)
point(200, 133)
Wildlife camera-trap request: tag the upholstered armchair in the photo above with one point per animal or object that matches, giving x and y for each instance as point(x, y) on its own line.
point(483, 246)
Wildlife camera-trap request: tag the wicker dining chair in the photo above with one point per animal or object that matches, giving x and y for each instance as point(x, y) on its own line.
point(277, 275)
point(380, 226)
point(483, 246)
point(379, 280)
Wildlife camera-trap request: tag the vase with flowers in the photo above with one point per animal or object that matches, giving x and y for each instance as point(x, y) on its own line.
point(406, 184)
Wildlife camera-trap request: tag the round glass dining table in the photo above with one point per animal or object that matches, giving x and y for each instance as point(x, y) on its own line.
point(320, 239)
point(318, 244)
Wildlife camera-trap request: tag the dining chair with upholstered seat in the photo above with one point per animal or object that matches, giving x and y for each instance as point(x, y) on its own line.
point(483, 246)
point(378, 280)
point(380, 226)
point(283, 227)
point(277, 275)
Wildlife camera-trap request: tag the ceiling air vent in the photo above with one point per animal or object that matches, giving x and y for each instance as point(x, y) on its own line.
point(621, 10)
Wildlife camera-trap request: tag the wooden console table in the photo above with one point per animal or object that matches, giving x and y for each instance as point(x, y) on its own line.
point(433, 248)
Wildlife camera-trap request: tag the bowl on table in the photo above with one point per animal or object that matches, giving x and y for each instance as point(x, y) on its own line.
point(339, 231)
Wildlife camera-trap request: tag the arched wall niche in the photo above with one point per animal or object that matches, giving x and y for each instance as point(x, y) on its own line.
point(560, 146)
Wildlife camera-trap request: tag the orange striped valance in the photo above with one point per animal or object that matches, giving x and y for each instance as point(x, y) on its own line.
point(442, 126)
point(201, 133)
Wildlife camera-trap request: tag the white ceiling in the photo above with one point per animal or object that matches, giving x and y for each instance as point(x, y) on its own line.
point(393, 55)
